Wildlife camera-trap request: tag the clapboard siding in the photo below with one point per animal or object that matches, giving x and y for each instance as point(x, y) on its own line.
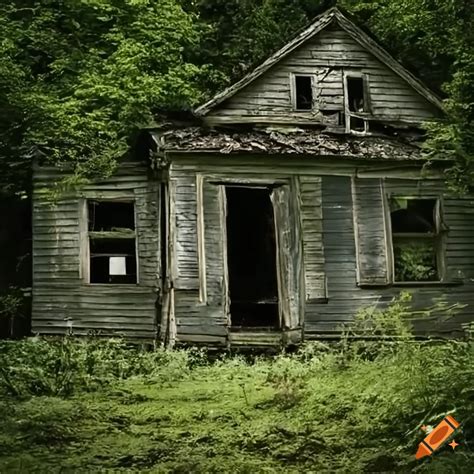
point(345, 298)
point(62, 301)
point(184, 220)
point(459, 217)
point(326, 56)
point(370, 231)
point(213, 208)
point(313, 249)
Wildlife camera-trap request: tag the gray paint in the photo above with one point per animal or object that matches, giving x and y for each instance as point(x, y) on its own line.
point(327, 56)
point(62, 300)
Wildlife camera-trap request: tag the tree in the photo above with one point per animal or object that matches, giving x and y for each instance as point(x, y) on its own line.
point(80, 77)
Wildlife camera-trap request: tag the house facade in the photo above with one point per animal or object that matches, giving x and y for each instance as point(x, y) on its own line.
point(296, 197)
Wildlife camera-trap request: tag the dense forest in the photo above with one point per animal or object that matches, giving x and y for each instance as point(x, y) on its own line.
point(80, 78)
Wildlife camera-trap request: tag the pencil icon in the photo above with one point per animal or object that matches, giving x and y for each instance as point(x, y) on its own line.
point(437, 437)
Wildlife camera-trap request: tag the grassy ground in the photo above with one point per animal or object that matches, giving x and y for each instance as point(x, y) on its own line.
point(321, 410)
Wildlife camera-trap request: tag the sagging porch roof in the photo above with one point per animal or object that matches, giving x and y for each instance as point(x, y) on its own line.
point(295, 141)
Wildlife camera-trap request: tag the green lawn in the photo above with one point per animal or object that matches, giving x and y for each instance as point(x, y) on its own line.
point(321, 410)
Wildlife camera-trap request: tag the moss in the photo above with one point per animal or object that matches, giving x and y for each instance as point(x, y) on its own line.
point(358, 416)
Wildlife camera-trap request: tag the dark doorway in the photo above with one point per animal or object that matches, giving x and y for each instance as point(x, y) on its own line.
point(251, 251)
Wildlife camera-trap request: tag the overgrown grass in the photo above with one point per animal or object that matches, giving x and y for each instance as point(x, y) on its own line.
point(89, 406)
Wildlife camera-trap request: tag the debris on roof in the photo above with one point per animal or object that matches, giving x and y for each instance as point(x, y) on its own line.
point(294, 141)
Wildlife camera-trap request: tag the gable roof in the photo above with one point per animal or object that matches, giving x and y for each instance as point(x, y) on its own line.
point(321, 22)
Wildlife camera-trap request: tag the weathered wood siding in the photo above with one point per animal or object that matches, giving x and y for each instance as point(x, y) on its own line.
point(62, 300)
point(322, 197)
point(345, 297)
point(326, 56)
point(370, 230)
point(310, 190)
point(196, 259)
point(331, 288)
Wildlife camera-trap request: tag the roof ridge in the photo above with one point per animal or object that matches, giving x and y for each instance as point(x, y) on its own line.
point(318, 24)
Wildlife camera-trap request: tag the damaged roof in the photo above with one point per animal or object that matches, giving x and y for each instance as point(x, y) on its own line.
point(295, 141)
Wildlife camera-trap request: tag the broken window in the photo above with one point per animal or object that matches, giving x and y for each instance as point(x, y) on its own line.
point(112, 242)
point(303, 92)
point(251, 254)
point(355, 94)
point(357, 103)
point(416, 239)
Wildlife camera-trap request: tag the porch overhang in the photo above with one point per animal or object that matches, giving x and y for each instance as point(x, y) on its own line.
point(289, 142)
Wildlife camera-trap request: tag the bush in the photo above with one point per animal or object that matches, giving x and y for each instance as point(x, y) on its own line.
point(353, 406)
point(59, 367)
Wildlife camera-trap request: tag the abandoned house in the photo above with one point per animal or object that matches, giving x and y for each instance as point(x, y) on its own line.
point(294, 198)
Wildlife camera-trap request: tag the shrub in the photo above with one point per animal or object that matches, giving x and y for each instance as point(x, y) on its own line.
point(11, 308)
point(39, 366)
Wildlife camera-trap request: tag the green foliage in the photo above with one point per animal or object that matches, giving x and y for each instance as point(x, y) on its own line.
point(12, 307)
point(38, 366)
point(415, 261)
point(81, 78)
point(391, 322)
point(11, 303)
point(453, 139)
point(378, 331)
point(300, 412)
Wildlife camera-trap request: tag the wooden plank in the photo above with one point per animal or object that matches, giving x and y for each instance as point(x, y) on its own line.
point(213, 196)
point(370, 232)
point(290, 275)
point(61, 300)
point(184, 219)
point(313, 248)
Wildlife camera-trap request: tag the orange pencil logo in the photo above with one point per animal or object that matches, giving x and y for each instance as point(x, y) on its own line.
point(437, 437)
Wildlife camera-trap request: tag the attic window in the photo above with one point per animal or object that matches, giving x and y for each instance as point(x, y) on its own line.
point(416, 239)
point(355, 94)
point(303, 92)
point(357, 105)
point(112, 242)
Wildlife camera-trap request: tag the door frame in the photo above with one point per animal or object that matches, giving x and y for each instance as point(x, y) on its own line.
point(291, 325)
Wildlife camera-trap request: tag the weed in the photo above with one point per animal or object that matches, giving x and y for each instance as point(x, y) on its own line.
point(354, 406)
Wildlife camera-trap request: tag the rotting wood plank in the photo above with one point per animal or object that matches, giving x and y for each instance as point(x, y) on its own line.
point(313, 249)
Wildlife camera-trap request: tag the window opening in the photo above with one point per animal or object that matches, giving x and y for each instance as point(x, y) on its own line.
point(416, 239)
point(304, 92)
point(355, 94)
point(251, 253)
point(357, 103)
point(112, 242)
point(109, 216)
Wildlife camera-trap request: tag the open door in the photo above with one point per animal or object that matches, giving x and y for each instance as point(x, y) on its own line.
point(252, 259)
point(290, 262)
point(264, 261)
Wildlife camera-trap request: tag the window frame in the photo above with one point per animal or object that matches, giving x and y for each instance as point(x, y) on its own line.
point(367, 103)
point(86, 235)
point(293, 76)
point(438, 237)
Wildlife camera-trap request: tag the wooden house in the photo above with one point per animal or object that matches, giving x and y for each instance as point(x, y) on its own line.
point(297, 196)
